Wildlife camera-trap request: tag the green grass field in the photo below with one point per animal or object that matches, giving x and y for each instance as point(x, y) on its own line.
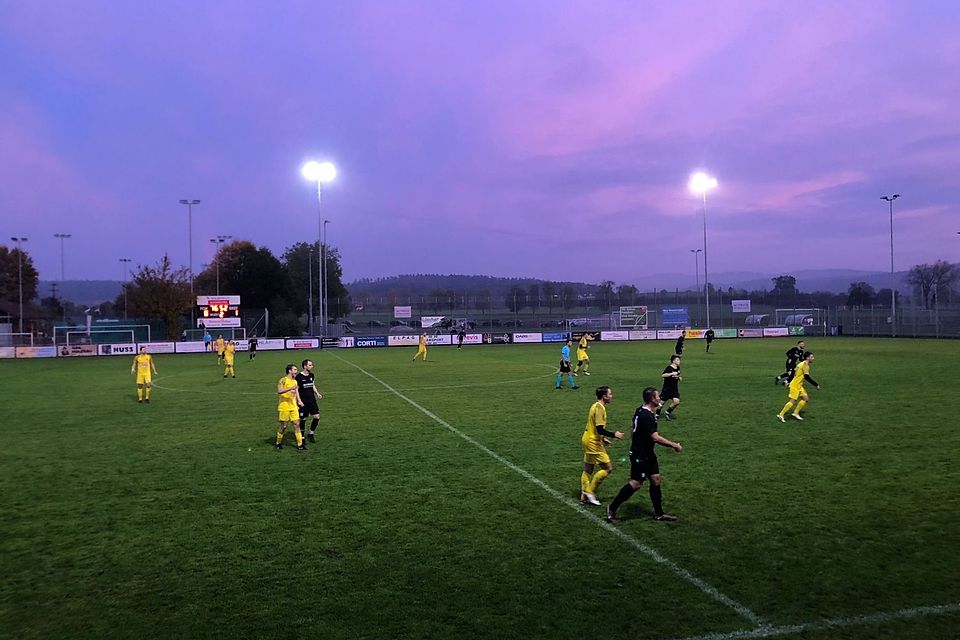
point(445, 507)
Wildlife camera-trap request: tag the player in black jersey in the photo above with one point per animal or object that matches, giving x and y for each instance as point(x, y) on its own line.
point(678, 347)
point(793, 357)
point(643, 459)
point(709, 336)
point(309, 395)
point(670, 393)
point(252, 347)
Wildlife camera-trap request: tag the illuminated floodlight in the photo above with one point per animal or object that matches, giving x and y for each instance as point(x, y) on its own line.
point(319, 171)
point(700, 183)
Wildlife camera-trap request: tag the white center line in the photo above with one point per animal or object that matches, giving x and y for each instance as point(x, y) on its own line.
point(573, 504)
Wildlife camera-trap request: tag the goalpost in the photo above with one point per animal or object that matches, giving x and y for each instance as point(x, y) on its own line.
point(128, 336)
point(16, 339)
point(124, 330)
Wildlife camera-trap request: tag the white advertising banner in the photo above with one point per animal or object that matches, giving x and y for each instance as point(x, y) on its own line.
point(441, 339)
point(218, 323)
point(740, 306)
point(669, 334)
point(159, 347)
point(430, 321)
point(73, 350)
point(646, 334)
point(404, 341)
point(270, 344)
point(203, 301)
point(775, 332)
point(346, 342)
point(614, 335)
point(191, 347)
point(403, 312)
point(8, 352)
point(750, 333)
point(473, 338)
point(301, 343)
point(527, 337)
point(125, 349)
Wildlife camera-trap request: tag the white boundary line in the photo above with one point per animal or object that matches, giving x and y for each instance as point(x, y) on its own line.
point(573, 504)
point(834, 623)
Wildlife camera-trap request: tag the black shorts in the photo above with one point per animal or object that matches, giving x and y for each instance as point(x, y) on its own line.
point(642, 468)
point(564, 366)
point(309, 409)
point(253, 347)
point(666, 394)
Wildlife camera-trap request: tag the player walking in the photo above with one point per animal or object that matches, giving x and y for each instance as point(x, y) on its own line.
point(229, 352)
point(565, 368)
point(221, 347)
point(307, 390)
point(594, 441)
point(287, 407)
point(643, 459)
point(670, 393)
point(252, 347)
point(422, 348)
point(709, 336)
point(793, 357)
point(583, 360)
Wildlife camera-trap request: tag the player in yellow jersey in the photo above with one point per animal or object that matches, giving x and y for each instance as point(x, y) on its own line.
point(221, 347)
point(422, 348)
point(594, 441)
point(797, 396)
point(583, 360)
point(289, 407)
point(143, 366)
point(228, 354)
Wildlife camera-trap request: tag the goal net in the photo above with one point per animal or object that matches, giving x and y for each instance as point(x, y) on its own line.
point(110, 336)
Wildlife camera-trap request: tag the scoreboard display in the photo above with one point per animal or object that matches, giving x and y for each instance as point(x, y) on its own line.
point(218, 311)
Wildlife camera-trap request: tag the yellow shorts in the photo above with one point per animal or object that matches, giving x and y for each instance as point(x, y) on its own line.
point(290, 415)
point(229, 363)
point(143, 378)
point(582, 355)
point(596, 458)
point(796, 393)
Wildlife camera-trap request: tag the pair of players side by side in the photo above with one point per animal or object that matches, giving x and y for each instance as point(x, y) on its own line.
point(566, 366)
point(298, 398)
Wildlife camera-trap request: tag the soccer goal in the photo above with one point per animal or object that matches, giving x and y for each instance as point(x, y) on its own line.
point(16, 339)
point(111, 336)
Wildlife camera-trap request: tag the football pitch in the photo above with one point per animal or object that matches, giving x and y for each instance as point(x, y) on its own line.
point(440, 500)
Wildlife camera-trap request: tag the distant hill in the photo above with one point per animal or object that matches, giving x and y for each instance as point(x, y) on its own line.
point(82, 291)
point(808, 281)
point(423, 284)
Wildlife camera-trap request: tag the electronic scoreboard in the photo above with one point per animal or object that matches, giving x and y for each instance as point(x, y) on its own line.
point(218, 311)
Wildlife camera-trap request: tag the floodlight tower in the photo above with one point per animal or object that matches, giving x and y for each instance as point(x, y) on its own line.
point(62, 236)
point(319, 172)
point(125, 262)
point(893, 279)
point(696, 270)
point(218, 241)
point(20, 240)
point(700, 183)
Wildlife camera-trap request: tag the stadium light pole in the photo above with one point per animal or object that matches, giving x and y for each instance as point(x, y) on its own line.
point(218, 241)
point(319, 172)
point(696, 270)
point(124, 262)
point(62, 236)
point(19, 240)
point(893, 279)
point(326, 291)
point(190, 203)
point(699, 184)
point(310, 287)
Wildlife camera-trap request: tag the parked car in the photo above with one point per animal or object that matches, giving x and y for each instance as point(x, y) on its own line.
point(402, 328)
point(375, 323)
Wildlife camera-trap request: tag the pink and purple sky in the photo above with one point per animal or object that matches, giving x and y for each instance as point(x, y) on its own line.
point(509, 138)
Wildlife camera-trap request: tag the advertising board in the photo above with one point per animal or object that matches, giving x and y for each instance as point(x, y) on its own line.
point(159, 347)
point(555, 336)
point(36, 352)
point(694, 333)
point(193, 346)
point(646, 334)
point(775, 332)
point(614, 335)
point(370, 341)
point(301, 343)
point(669, 334)
point(443, 338)
point(404, 341)
point(750, 333)
point(125, 349)
point(75, 350)
point(527, 337)
point(428, 322)
point(725, 333)
point(740, 306)
point(674, 316)
point(403, 312)
point(8, 352)
point(346, 342)
point(635, 317)
point(473, 338)
point(496, 338)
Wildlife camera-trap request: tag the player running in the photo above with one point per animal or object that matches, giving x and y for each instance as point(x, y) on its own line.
point(797, 394)
point(583, 360)
point(709, 336)
point(143, 365)
point(288, 407)
point(793, 357)
point(422, 348)
point(594, 441)
point(307, 390)
point(670, 393)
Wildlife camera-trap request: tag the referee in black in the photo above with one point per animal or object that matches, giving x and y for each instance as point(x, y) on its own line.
point(643, 460)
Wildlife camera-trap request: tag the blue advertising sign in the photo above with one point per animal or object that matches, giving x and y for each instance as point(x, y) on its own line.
point(554, 337)
point(674, 316)
point(370, 341)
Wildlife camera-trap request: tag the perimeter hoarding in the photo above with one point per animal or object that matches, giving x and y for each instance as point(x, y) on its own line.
point(123, 349)
point(78, 350)
point(725, 333)
point(775, 332)
point(159, 347)
point(371, 341)
point(441, 339)
point(674, 316)
point(554, 337)
point(36, 352)
point(191, 347)
point(496, 338)
point(8, 352)
point(473, 338)
point(614, 335)
point(301, 343)
point(646, 334)
point(346, 342)
point(750, 333)
point(669, 334)
point(403, 341)
point(693, 334)
point(527, 337)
